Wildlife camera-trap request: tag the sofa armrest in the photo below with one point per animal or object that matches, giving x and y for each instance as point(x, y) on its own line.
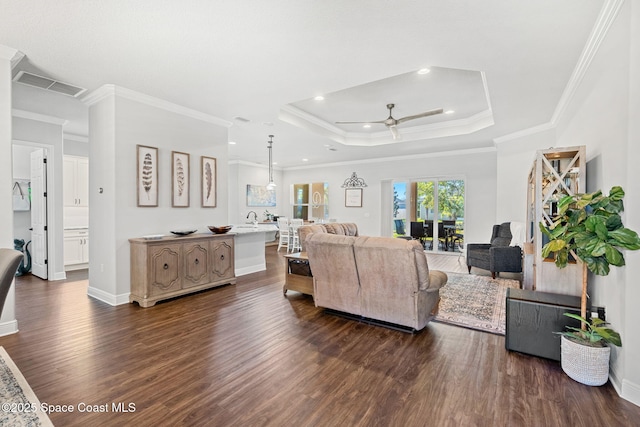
point(480, 246)
point(437, 279)
point(505, 258)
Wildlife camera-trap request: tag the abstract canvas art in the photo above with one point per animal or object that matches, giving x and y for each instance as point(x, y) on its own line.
point(260, 196)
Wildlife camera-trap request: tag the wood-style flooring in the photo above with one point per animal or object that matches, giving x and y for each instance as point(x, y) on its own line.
point(244, 355)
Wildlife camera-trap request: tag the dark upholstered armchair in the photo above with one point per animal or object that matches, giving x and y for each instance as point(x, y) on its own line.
point(496, 256)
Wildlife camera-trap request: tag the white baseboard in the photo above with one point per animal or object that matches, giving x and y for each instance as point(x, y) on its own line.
point(630, 392)
point(250, 269)
point(8, 328)
point(108, 298)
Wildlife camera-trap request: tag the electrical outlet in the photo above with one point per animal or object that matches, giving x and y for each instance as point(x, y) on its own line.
point(597, 312)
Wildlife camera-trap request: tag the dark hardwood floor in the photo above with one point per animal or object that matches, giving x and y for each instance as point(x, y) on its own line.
point(244, 355)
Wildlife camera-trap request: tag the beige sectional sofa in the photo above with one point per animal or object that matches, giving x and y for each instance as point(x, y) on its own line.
point(377, 278)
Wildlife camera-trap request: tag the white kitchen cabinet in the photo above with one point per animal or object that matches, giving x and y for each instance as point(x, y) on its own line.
point(76, 181)
point(76, 249)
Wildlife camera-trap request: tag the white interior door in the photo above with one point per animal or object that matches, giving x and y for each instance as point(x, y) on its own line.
point(39, 214)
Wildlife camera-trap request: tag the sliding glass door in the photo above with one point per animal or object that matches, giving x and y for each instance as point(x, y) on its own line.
point(438, 204)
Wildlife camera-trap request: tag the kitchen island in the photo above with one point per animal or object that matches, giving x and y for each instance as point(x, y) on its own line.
point(249, 247)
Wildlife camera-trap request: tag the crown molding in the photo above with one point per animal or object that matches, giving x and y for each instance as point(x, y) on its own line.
point(38, 117)
point(10, 54)
point(607, 16)
point(469, 151)
point(75, 137)
point(253, 164)
point(106, 91)
point(297, 117)
point(524, 132)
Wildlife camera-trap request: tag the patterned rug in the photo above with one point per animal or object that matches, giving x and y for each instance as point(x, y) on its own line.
point(20, 406)
point(475, 302)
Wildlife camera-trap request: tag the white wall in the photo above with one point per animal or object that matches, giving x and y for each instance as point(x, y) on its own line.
point(8, 323)
point(603, 115)
point(514, 161)
point(630, 380)
point(598, 117)
point(478, 169)
point(118, 122)
point(45, 132)
point(241, 174)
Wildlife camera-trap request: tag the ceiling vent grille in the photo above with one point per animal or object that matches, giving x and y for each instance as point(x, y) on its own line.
point(48, 84)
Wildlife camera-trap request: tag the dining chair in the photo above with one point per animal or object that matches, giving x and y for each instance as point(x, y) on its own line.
point(294, 244)
point(283, 227)
point(418, 232)
point(9, 262)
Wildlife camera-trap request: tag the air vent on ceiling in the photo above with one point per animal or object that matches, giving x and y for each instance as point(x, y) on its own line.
point(47, 83)
point(241, 119)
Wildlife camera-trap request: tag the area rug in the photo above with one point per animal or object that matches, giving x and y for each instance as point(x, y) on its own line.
point(475, 302)
point(19, 404)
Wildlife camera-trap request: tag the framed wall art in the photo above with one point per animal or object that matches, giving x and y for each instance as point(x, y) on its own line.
point(208, 181)
point(180, 179)
point(353, 197)
point(260, 196)
point(147, 176)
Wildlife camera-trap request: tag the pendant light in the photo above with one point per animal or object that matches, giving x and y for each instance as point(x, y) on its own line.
point(271, 185)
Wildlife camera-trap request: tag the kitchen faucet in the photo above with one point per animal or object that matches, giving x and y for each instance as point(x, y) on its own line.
point(255, 217)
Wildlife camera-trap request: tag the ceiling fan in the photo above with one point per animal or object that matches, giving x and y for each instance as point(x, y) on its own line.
point(392, 123)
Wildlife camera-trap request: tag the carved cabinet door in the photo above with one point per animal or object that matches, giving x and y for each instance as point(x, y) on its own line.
point(222, 259)
point(196, 264)
point(165, 269)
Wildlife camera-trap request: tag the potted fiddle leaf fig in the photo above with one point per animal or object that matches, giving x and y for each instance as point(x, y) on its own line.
point(588, 227)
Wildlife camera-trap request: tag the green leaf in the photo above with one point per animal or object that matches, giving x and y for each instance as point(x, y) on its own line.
point(616, 206)
point(544, 230)
point(565, 202)
point(562, 258)
point(601, 230)
point(600, 266)
point(556, 245)
point(616, 193)
point(614, 222)
point(626, 238)
point(614, 256)
point(557, 231)
point(599, 249)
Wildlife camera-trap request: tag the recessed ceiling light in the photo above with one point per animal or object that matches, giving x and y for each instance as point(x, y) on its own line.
point(424, 71)
point(449, 112)
point(305, 160)
point(319, 98)
point(232, 143)
point(366, 126)
point(274, 163)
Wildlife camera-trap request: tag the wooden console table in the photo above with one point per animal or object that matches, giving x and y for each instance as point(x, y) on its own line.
point(298, 275)
point(173, 266)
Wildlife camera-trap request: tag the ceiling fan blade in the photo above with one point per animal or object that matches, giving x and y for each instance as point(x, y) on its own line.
point(394, 131)
point(417, 116)
point(359, 123)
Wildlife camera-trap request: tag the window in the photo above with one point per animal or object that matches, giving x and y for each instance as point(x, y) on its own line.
point(439, 204)
point(318, 200)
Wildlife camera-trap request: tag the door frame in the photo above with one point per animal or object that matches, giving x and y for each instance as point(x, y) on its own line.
point(53, 234)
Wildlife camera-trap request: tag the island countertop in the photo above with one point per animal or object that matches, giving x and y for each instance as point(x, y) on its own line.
point(250, 228)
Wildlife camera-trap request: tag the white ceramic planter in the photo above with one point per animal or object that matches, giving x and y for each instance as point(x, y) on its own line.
point(587, 365)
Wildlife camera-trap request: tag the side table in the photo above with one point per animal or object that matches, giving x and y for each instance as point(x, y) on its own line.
point(532, 319)
point(298, 275)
